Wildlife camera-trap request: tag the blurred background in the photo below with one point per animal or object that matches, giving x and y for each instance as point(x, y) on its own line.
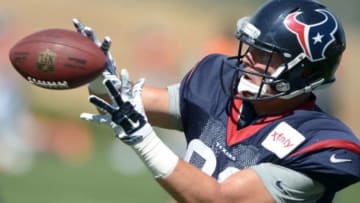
point(47, 154)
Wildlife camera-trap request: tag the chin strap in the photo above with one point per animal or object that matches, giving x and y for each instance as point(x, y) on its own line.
point(304, 90)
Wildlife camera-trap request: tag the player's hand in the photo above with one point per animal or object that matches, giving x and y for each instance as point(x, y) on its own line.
point(96, 86)
point(129, 91)
point(104, 119)
point(127, 119)
point(132, 128)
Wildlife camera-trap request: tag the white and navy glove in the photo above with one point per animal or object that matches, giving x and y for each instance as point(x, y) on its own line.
point(125, 117)
point(96, 86)
point(131, 126)
point(124, 114)
point(129, 93)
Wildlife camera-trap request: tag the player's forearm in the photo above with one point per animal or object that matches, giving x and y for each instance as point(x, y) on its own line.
point(183, 181)
point(156, 104)
point(188, 184)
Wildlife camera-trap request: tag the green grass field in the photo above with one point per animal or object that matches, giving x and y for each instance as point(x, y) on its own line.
point(53, 181)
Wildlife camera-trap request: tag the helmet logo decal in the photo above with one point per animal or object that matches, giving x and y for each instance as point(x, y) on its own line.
point(314, 38)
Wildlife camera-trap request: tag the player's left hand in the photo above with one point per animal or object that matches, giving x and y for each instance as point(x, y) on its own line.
point(126, 118)
point(96, 86)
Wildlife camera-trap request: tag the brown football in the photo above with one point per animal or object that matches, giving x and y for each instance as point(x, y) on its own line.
point(57, 59)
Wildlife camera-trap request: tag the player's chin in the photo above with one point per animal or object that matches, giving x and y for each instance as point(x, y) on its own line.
point(248, 95)
point(254, 96)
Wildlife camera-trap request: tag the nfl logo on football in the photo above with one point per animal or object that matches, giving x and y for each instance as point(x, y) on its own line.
point(46, 61)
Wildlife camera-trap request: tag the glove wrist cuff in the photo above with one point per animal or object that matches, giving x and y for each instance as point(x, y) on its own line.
point(160, 160)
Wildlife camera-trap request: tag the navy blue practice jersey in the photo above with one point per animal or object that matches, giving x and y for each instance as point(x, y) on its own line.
point(306, 139)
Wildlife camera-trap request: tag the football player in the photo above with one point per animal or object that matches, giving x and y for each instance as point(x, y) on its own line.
point(254, 131)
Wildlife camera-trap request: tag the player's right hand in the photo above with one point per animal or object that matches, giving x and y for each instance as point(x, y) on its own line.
point(129, 93)
point(96, 86)
point(127, 119)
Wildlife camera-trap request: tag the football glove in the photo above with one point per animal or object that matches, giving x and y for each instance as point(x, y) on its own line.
point(96, 86)
point(124, 117)
point(131, 126)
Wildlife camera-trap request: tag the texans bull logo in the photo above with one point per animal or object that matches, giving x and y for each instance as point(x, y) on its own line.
point(315, 38)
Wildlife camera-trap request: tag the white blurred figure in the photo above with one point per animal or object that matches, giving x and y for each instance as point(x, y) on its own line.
point(15, 120)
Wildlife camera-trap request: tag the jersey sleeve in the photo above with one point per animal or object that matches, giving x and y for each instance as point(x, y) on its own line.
point(174, 106)
point(336, 168)
point(331, 154)
point(287, 185)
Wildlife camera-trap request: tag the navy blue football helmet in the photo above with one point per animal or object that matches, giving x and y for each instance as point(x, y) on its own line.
point(308, 37)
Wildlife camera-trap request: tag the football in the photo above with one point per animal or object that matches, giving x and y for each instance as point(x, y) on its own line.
point(57, 59)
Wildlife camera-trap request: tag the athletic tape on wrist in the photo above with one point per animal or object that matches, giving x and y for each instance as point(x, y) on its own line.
point(160, 160)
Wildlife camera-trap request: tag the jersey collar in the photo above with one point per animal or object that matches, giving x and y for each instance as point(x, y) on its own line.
point(236, 135)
